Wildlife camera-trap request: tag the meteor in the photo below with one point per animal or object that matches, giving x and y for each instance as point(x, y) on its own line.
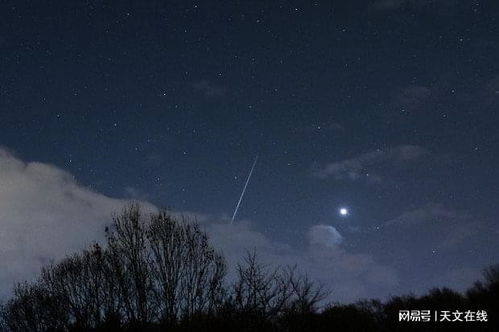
point(244, 190)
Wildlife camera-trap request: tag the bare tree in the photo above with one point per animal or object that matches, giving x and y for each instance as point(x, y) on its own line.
point(31, 309)
point(273, 292)
point(80, 284)
point(306, 294)
point(155, 268)
point(129, 257)
point(187, 271)
point(260, 289)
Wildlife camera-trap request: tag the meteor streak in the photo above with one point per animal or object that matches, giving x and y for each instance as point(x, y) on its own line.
point(244, 190)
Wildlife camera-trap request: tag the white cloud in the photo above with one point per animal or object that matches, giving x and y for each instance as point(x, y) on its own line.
point(44, 215)
point(324, 235)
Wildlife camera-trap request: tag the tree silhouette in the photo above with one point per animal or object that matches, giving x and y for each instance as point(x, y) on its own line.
point(158, 271)
point(155, 269)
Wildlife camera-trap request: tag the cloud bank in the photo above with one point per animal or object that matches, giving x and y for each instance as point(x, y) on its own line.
point(44, 215)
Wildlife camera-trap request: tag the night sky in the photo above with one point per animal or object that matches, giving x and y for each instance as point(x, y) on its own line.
point(386, 108)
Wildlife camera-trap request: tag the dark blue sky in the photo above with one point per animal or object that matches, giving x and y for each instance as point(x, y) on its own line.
point(386, 107)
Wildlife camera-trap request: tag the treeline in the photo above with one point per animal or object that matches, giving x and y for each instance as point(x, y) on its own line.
point(158, 272)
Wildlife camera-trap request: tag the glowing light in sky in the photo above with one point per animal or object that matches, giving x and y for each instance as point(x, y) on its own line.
point(343, 211)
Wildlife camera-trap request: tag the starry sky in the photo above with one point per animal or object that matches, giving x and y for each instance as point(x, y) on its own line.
point(387, 108)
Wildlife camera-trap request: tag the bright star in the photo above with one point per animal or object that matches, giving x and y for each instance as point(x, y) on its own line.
point(344, 211)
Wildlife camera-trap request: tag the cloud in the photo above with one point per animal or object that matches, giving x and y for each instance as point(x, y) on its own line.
point(349, 276)
point(324, 235)
point(209, 90)
point(44, 215)
point(365, 166)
